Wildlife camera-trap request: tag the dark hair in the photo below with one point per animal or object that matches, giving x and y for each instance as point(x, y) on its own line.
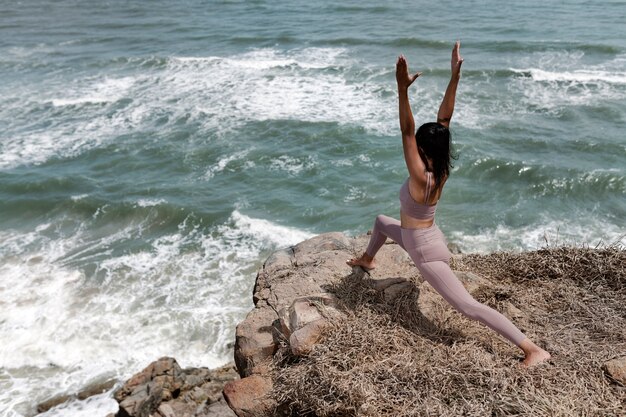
point(434, 141)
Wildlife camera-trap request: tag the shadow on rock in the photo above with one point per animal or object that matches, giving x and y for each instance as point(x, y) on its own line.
point(399, 299)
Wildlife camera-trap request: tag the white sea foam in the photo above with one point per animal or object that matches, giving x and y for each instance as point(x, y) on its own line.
point(579, 76)
point(150, 202)
point(355, 194)
point(222, 93)
point(562, 79)
point(219, 93)
point(181, 296)
point(342, 162)
point(267, 84)
point(101, 91)
point(293, 165)
point(222, 163)
point(79, 197)
point(62, 136)
point(533, 237)
point(264, 231)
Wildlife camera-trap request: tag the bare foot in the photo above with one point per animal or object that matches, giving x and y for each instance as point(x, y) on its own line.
point(364, 261)
point(535, 358)
point(534, 354)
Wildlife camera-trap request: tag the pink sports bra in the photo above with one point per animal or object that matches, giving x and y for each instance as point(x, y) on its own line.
point(413, 208)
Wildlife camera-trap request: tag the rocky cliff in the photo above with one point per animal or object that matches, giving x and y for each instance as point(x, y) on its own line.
point(325, 339)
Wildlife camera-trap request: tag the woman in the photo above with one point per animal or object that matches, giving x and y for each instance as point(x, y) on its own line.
point(427, 155)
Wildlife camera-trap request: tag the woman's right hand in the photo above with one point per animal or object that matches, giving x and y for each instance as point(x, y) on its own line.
point(403, 77)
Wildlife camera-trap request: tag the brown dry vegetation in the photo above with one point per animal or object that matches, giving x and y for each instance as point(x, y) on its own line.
point(388, 359)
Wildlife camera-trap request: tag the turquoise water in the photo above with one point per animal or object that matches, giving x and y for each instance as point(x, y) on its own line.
point(153, 154)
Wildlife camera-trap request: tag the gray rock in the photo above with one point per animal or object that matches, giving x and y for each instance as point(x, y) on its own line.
point(95, 388)
point(301, 341)
point(396, 290)
point(255, 339)
point(219, 409)
point(164, 389)
point(473, 282)
point(615, 369)
point(304, 310)
point(250, 396)
point(454, 249)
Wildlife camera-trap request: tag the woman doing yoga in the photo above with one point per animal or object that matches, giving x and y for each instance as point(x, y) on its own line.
point(427, 154)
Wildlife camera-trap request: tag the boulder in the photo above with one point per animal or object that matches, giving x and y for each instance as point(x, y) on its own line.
point(163, 389)
point(615, 369)
point(473, 282)
point(255, 339)
point(95, 388)
point(396, 290)
point(304, 310)
point(250, 396)
point(302, 340)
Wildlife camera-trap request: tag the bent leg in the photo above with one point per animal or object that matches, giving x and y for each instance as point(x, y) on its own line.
point(384, 227)
point(440, 276)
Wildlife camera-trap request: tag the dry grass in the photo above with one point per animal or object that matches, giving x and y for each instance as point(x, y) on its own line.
point(387, 359)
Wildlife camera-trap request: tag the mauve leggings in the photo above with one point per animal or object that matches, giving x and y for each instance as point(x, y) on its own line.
point(427, 248)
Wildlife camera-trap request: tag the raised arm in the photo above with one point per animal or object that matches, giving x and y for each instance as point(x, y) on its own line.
point(404, 79)
point(414, 163)
point(447, 105)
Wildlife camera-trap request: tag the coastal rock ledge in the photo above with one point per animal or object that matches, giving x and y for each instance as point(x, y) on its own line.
point(327, 339)
point(295, 304)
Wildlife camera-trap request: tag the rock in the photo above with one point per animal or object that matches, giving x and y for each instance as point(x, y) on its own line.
point(472, 282)
point(512, 311)
point(166, 410)
point(89, 391)
point(454, 249)
point(304, 310)
point(305, 270)
point(53, 402)
point(164, 389)
point(294, 306)
point(430, 303)
point(304, 322)
point(162, 367)
point(220, 409)
point(255, 340)
point(302, 340)
point(96, 389)
point(396, 290)
point(250, 396)
point(615, 369)
point(383, 283)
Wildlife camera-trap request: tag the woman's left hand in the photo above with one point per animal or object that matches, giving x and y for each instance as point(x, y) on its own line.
point(456, 60)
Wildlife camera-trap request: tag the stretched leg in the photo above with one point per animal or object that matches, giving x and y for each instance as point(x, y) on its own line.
point(440, 276)
point(384, 227)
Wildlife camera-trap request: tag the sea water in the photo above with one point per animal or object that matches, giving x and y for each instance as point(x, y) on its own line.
point(152, 155)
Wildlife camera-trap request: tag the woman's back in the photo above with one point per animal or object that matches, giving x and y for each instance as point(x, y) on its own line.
point(419, 204)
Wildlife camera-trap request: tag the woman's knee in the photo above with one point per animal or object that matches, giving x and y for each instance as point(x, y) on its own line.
point(381, 219)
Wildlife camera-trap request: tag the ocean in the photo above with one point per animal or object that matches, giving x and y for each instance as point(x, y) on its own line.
point(153, 154)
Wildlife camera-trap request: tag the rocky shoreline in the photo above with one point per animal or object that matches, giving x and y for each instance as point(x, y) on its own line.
point(300, 295)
